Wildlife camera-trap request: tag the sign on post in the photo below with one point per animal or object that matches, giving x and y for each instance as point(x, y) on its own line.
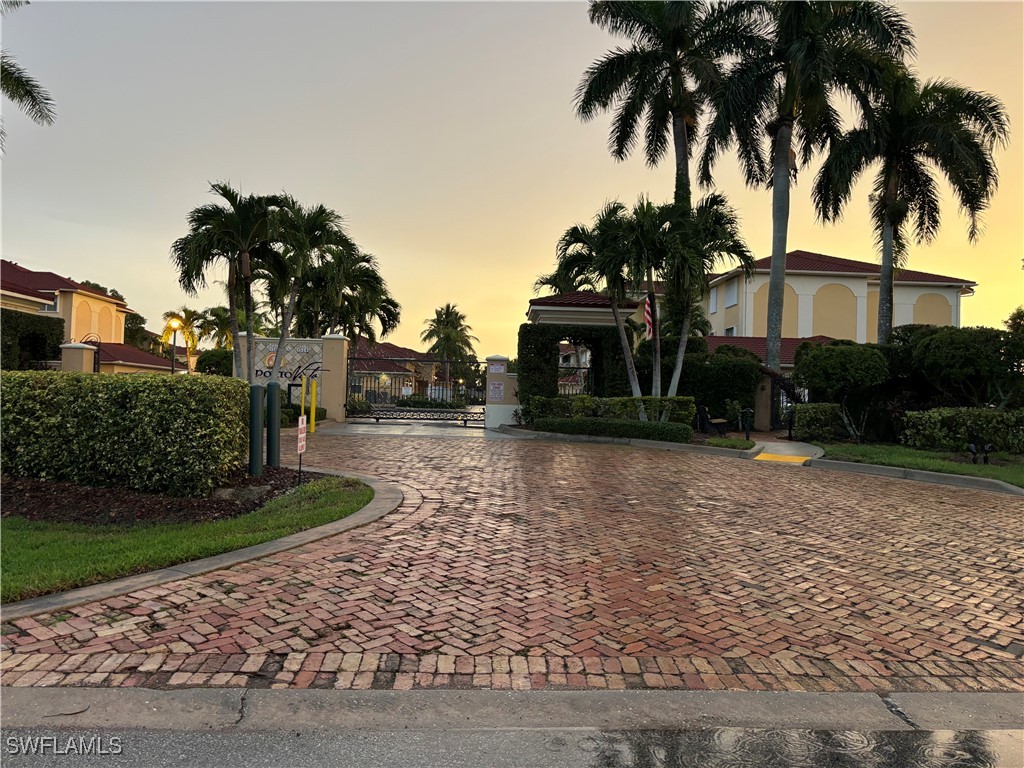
point(302, 434)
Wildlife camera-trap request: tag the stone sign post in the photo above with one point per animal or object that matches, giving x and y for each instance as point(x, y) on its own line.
point(502, 393)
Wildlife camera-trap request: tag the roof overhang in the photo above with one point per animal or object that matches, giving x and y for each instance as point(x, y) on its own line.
point(26, 297)
point(601, 316)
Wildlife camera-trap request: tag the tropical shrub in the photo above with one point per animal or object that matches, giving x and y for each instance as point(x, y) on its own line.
point(846, 374)
point(642, 430)
point(26, 339)
point(973, 366)
point(817, 422)
point(217, 362)
point(951, 429)
point(180, 435)
point(356, 405)
point(710, 380)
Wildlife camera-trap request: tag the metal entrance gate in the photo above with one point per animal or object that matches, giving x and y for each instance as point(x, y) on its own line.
point(419, 389)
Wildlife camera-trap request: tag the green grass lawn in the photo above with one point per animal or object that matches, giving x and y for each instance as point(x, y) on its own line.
point(932, 461)
point(41, 557)
point(730, 442)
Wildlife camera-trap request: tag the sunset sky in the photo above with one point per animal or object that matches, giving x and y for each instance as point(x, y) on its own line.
point(443, 132)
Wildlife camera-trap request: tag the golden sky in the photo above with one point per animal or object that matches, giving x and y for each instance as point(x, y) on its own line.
point(443, 132)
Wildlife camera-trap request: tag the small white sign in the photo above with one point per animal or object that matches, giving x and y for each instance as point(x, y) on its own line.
point(302, 434)
point(497, 368)
point(497, 392)
point(406, 391)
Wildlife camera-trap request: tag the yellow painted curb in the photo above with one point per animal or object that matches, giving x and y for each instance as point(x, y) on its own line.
point(780, 457)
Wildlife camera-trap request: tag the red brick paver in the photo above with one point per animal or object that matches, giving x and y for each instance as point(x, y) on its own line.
point(525, 564)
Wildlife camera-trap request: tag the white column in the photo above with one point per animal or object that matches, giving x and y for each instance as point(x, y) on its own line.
point(862, 318)
point(502, 393)
point(805, 319)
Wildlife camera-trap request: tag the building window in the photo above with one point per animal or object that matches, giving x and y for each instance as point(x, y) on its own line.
point(50, 307)
point(732, 293)
point(730, 331)
point(713, 301)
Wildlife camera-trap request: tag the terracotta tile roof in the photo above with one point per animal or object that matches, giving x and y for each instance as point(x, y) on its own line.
point(12, 286)
point(381, 357)
point(129, 355)
point(579, 299)
point(45, 281)
point(805, 261)
point(757, 345)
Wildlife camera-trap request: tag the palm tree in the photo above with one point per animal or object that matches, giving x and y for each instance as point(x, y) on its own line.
point(20, 87)
point(449, 336)
point(786, 91)
point(308, 235)
point(663, 77)
point(187, 322)
point(600, 254)
point(909, 130)
point(346, 293)
point(215, 325)
point(701, 240)
point(558, 283)
point(229, 232)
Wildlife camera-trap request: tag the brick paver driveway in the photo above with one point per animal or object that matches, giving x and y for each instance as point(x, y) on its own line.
point(528, 564)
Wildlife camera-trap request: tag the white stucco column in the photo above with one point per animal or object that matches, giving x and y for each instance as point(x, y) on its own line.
point(862, 317)
point(502, 393)
point(805, 318)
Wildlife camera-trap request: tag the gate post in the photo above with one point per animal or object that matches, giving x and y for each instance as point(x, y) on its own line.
point(333, 388)
point(502, 393)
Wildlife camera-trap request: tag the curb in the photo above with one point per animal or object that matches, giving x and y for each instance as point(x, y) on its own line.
point(920, 475)
point(707, 450)
point(386, 498)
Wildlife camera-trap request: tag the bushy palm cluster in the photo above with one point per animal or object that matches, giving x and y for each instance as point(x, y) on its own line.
point(315, 278)
point(764, 78)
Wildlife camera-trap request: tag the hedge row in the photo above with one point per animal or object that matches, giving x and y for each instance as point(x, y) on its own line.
point(681, 410)
point(817, 422)
point(951, 429)
point(642, 430)
point(26, 339)
point(180, 435)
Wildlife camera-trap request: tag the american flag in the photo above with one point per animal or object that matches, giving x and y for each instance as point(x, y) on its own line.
point(648, 319)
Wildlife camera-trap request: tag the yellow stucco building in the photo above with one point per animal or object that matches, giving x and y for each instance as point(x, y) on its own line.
point(830, 296)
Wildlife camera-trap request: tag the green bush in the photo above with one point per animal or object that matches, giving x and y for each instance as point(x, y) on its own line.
point(357, 405)
point(152, 432)
point(709, 380)
point(421, 401)
point(26, 339)
point(846, 373)
point(817, 422)
point(951, 429)
point(643, 430)
point(218, 362)
point(680, 410)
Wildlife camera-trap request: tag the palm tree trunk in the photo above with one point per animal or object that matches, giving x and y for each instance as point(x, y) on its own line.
point(656, 376)
point(233, 318)
point(682, 191)
point(677, 371)
point(627, 352)
point(780, 231)
point(250, 320)
point(285, 326)
point(885, 298)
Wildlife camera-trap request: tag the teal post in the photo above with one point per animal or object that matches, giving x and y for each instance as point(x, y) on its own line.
point(255, 430)
point(274, 424)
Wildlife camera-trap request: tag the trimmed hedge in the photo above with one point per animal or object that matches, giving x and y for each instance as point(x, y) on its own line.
point(180, 435)
point(951, 429)
point(643, 430)
point(26, 339)
point(817, 422)
point(681, 410)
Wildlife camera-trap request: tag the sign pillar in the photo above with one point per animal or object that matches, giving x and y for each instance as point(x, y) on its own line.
point(334, 377)
point(502, 393)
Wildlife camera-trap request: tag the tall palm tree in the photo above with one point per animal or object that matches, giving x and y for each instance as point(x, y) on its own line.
point(230, 232)
point(559, 282)
point(911, 129)
point(449, 336)
point(215, 325)
point(600, 254)
point(662, 79)
point(20, 87)
point(346, 293)
point(701, 239)
point(307, 235)
point(188, 323)
point(786, 92)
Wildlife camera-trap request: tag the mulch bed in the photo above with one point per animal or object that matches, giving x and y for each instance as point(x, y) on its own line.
point(60, 502)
